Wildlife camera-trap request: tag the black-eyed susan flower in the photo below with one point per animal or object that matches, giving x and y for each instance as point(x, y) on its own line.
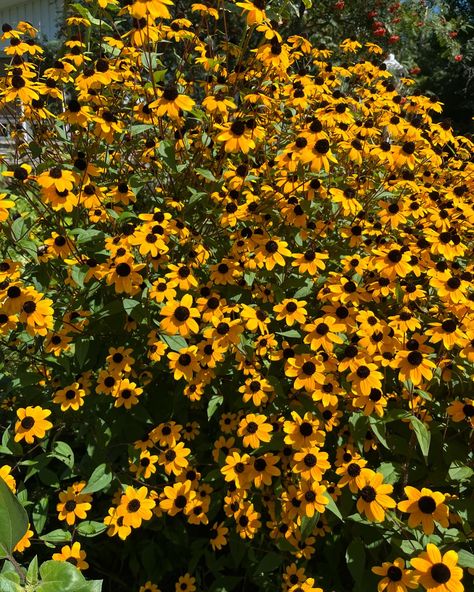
point(32, 423)
point(5, 474)
point(437, 572)
point(311, 495)
point(395, 576)
point(237, 468)
point(176, 497)
point(72, 554)
point(149, 587)
point(171, 102)
point(25, 541)
point(291, 311)
point(254, 429)
point(311, 463)
point(425, 507)
point(263, 469)
point(303, 432)
point(247, 521)
point(135, 506)
point(73, 504)
point(185, 583)
point(70, 397)
point(174, 460)
point(218, 536)
point(126, 393)
point(373, 497)
point(414, 366)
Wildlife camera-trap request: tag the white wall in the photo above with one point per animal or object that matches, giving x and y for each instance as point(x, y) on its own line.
point(42, 14)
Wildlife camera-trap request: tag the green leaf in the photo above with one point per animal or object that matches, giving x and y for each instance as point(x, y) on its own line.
point(174, 342)
point(129, 305)
point(378, 427)
point(9, 446)
point(13, 520)
point(270, 562)
point(57, 536)
point(308, 524)
point(19, 229)
point(90, 528)
point(359, 425)
point(81, 350)
point(100, 479)
point(331, 506)
point(355, 559)
point(8, 585)
point(423, 435)
point(61, 576)
point(466, 559)
point(32, 572)
point(214, 403)
point(40, 514)
point(63, 452)
point(206, 174)
point(458, 471)
point(292, 333)
point(391, 472)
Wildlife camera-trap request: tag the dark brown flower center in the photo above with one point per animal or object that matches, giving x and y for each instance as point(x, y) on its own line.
point(394, 573)
point(368, 493)
point(426, 504)
point(440, 573)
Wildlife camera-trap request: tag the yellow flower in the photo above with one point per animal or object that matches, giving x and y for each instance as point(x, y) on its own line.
point(373, 497)
point(31, 424)
point(72, 554)
point(171, 103)
point(425, 507)
point(436, 572)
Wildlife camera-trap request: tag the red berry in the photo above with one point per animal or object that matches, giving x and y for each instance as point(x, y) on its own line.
point(458, 57)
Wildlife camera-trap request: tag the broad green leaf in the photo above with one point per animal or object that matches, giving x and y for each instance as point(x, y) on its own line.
point(60, 576)
point(458, 471)
point(63, 452)
point(13, 520)
point(129, 304)
point(308, 524)
point(100, 479)
point(56, 536)
point(423, 435)
point(270, 562)
point(466, 559)
point(331, 506)
point(355, 559)
point(8, 585)
point(174, 342)
point(292, 333)
point(32, 572)
point(90, 528)
point(214, 403)
point(378, 427)
point(40, 514)
point(206, 174)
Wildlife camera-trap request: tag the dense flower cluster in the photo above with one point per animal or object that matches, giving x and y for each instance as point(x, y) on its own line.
point(236, 287)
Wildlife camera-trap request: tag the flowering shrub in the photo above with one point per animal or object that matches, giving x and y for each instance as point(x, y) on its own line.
point(236, 309)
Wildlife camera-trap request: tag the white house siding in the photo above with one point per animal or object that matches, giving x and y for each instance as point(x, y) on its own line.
point(42, 14)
